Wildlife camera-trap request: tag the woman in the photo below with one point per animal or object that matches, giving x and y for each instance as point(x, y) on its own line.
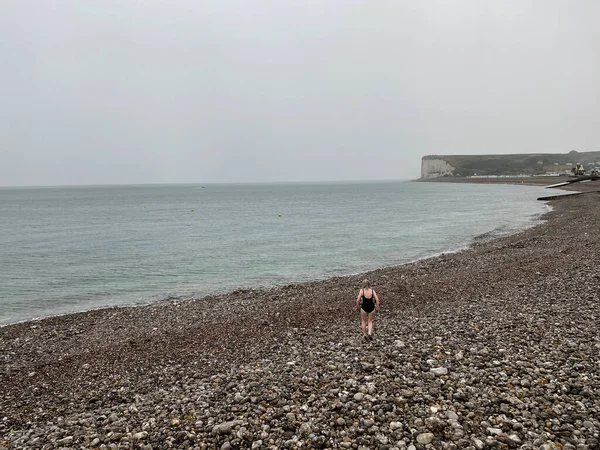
point(369, 302)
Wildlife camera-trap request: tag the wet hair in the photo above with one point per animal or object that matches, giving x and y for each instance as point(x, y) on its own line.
point(366, 284)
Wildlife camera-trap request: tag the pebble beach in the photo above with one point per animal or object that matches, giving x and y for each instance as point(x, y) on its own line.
point(496, 346)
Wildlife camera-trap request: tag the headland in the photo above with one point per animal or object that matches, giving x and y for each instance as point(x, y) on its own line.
point(507, 165)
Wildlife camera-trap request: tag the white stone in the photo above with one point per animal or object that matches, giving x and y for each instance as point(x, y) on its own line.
point(425, 438)
point(516, 439)
point(479, 445)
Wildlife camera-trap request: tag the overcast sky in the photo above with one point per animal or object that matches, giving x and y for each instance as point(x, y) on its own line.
point(200, 91)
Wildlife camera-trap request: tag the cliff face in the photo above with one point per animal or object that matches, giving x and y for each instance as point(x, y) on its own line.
point(434, 168)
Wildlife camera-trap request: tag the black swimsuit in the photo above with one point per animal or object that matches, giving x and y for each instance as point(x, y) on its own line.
point(367, 304)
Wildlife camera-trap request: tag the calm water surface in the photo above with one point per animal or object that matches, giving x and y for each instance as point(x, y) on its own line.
point(66, 249)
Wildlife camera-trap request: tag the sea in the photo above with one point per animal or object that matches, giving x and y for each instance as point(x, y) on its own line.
point(69, 249)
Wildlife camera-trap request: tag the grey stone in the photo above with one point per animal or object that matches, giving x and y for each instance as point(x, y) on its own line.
point(223, 428)
point(305, 429)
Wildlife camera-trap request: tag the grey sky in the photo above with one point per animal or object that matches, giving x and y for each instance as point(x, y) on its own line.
point(107, 91)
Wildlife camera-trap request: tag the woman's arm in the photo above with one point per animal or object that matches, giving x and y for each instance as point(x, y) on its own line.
point(358, 299)
point(376, 299)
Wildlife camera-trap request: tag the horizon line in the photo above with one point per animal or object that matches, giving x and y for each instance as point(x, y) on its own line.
point(203, 184)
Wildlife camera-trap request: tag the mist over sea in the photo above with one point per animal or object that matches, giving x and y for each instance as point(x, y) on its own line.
point(67, 249)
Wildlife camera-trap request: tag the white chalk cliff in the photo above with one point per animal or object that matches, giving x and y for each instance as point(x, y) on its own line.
point(435, 167)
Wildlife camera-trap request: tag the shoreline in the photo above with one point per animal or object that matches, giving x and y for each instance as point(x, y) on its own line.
point(525, 181)
point(189, 371)
point(173, 300)
point(218, 294)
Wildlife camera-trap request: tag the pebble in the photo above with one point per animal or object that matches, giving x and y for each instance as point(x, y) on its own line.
point(425, 438)
point(305, 429)
point(478, 443)
point(223, 428)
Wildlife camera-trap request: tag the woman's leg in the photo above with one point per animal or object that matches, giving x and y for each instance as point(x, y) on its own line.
point(371, 316)
point(363, 319)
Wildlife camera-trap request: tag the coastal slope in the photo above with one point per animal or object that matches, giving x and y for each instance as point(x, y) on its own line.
point(492, 347)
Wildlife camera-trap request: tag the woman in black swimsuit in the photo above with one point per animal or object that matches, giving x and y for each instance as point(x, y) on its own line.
point(369, 302)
